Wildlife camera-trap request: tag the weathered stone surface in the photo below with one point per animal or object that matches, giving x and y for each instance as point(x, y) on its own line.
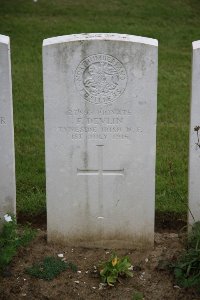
point(194, 146)
point(7, 158)
point(100, 95)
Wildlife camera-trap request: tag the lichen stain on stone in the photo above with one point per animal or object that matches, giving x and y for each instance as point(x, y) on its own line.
point(110, 241)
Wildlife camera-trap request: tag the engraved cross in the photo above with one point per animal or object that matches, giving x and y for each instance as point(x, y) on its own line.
point(100, 172)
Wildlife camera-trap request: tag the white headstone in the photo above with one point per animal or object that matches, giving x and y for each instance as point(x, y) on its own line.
point(7, 157)
point(194, 147)
point(100, 95)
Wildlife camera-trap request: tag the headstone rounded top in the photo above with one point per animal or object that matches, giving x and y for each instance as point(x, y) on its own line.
point(196, 45)
point(100, 36)
point(4, 39)
point(100, 136)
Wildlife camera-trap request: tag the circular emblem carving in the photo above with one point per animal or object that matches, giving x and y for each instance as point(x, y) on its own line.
point(100, 79)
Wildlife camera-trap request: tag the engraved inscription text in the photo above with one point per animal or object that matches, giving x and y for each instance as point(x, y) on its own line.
point(2, 121)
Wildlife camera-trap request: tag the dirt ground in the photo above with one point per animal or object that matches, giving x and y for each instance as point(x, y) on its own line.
point(148, 278)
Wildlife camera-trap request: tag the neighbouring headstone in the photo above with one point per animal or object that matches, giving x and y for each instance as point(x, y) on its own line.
point(7, 156)
point(100, 94)
point(194, 145)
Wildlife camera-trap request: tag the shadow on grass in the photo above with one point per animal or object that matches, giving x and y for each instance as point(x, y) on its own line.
point(170, 221)
point(164, 221)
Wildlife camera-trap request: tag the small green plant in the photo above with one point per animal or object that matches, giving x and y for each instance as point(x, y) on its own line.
point(137, 296)
point(50, 268)
point(12, 237)
point(194, 236)
point(115, 267)
point(187, 267)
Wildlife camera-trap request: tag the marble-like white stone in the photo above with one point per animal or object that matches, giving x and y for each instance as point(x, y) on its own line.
point(100, 93)
point(194, 144)
point(7, 157)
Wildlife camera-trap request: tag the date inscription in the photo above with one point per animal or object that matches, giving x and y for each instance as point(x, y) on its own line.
point(99, 124)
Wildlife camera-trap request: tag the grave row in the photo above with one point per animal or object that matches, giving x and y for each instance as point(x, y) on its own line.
point(100, 96)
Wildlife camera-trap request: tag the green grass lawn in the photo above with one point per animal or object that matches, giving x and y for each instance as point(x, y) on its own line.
point(175, 23)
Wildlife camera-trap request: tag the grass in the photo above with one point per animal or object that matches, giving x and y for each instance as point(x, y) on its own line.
point(50, 268)
point(12, 237)
point(186, 268)
point(174, 23)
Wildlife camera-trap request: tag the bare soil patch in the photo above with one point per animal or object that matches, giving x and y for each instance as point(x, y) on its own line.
point(148, 278)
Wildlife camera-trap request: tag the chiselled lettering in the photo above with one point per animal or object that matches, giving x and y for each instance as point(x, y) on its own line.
point(2, 121)
point(99, 124)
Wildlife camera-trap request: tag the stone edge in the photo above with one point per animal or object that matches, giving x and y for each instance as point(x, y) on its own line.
point(100, 36)
point(4, 39)
point(196, 45)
